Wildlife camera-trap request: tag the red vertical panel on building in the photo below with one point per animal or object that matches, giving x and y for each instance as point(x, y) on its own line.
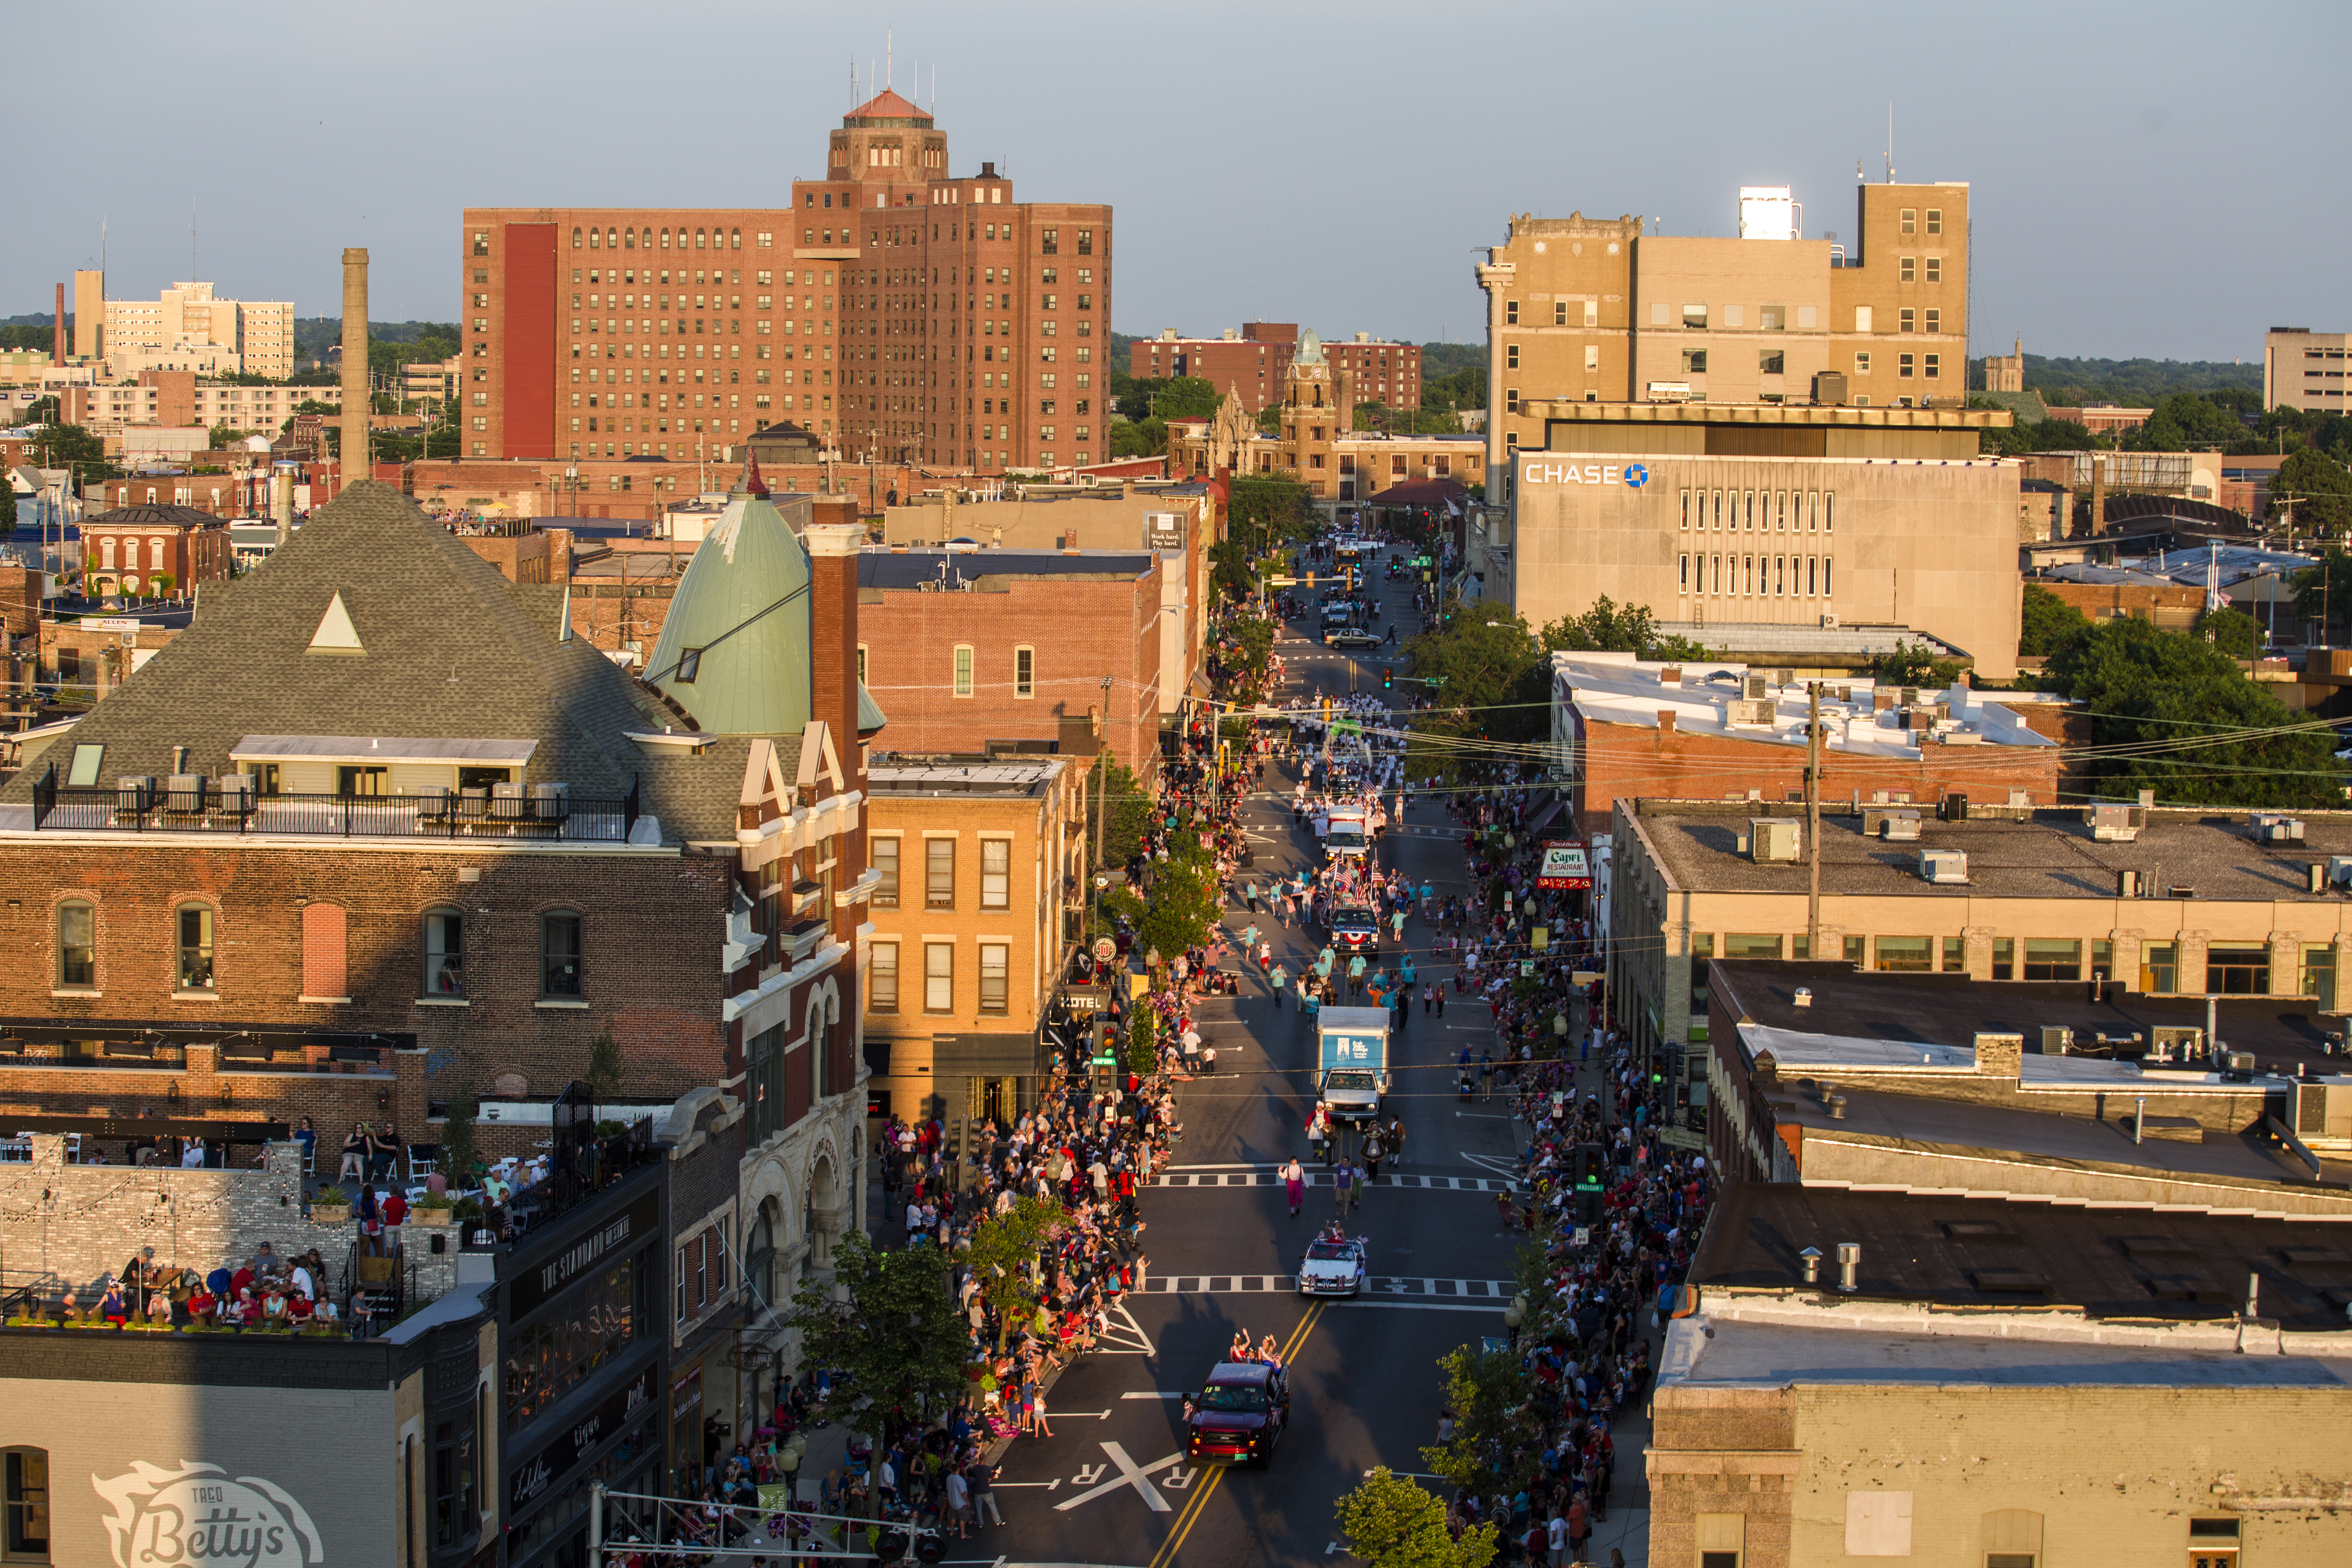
point(530, 341)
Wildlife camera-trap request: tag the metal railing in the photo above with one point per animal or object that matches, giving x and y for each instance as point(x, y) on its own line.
point(213, 808)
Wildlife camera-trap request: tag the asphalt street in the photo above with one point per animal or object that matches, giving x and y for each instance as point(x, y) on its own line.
point(1111, 1486)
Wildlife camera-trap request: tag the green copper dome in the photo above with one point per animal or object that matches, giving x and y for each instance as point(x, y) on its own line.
point(735, 649)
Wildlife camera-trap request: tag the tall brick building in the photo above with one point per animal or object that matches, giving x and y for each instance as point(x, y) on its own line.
point(891, 310)
point(382, 832)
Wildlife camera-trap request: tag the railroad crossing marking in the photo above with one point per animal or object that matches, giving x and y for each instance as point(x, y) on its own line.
point(1130, 1474)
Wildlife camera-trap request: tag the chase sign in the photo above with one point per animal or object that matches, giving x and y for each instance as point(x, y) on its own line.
point(1633, 475)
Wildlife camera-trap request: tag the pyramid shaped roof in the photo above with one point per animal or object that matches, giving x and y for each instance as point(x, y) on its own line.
point(446, 651)
point(886, 105)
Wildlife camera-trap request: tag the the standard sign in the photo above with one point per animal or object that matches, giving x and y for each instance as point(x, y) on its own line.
point(1633, 475)
point(1563, 865)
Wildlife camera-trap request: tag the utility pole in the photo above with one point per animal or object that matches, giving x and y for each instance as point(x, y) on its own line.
point(1813, 819)
point(1102, 793)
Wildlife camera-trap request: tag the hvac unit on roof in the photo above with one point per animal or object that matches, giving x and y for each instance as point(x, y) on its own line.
point(1942, 865)
point(1774, 839)
point(1753, 686)
point(2113, 824)
point(2275, 827)
point(1744, 713)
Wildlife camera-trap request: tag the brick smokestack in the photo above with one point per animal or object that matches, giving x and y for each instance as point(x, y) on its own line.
point(356, 404)
point(57, 345)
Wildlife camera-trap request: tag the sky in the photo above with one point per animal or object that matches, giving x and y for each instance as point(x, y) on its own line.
point(2147, 179)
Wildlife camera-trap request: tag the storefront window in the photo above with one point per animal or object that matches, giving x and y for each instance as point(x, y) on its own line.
point(596, 1321)
point(625, 1470)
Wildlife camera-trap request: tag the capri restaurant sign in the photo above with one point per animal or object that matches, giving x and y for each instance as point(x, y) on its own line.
point(164, 1518)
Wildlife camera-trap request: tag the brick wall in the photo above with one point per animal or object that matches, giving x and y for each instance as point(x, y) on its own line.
point(67, 1227)
point(2172, 607)
point(1627, 761)
point(641, 914)
point(1081, 631)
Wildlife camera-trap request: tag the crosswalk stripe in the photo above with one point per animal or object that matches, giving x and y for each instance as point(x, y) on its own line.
point(1319, 1178)
point(1262, 1284)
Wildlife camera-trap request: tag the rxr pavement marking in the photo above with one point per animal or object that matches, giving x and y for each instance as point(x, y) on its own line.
point(1130, 1474)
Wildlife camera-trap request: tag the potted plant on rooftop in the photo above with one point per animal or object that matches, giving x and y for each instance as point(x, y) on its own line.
point(330, 1205)
point(433, 1210)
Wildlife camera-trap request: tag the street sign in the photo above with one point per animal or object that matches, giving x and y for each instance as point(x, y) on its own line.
point(1564, 865)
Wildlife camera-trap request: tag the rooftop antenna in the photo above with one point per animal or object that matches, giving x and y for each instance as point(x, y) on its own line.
point(1890, 143)
point(890, 50)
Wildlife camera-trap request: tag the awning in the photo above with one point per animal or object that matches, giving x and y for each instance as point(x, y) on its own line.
point(1544, 817)
point(1199, 685)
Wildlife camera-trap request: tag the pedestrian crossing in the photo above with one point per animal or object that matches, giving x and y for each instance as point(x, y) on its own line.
point(1271, 1176)
point(1263, 1284)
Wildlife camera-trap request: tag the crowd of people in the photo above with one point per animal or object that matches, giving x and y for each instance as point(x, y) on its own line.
point(265, 1292)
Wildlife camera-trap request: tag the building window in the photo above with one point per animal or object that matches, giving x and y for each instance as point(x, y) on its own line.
point(1510, 312)
point(1955, 955)
point(1935, 269)
point(2233, 969)
point(995, 973)
point(1025, 671)
point(1932, 365)
point(1861, 362)
point(1511, 357)
point(195, 968)
point(559, 955)
point(1904, 955)
point(964, 670)
point(1559, 313)
point(76, 946)
point(1935, 220)
point(1853, 951)
point(2048, 957)
point(2004, 958)
point(1910, 270)
point(2319, 976)
point(1694, 317)
point(1686, 574)
point(882, 978)
point(939, 873)
point(1771, 362)
point(1910, 220)
point(1511, 405)
point(939, 977)
point(444, 953)
point(2159, 968)
point(1693, 361)
point(1737, 944)
point(1910, 319)
point(882, 854)
point(1592, 356)
point(29, 1505)
point(995, 873)
point(1935, 319)
point(1902, 366)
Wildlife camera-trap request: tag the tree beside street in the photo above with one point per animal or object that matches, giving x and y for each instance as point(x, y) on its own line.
point(1487, 1393)
point(1611, 627)
point(886, 1319)
point(2315, 490)
point(2047, 623)
point(1003, 1258)
point(1392, 1522)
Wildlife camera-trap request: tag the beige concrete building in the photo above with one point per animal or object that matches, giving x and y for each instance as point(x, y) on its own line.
point(1779, 516)
point(1595, 309)
point(188, 321)
point(2000, 1385)
point(2159, 902)
point(979, 864)
point(2303, 369)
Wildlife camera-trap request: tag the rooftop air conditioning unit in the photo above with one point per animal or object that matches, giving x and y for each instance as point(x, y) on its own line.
point(2056, 1040)
point(1742, 713)
point(1909, 697)
point(2321, 1112)
point(2113, 824)
point(2276, 828)
point(1774, 839)
point(2176, 1043)
point(1829, 623)
point(1754, 687)
point(1899, 826)
point(2339, 870)
point(1942, 865)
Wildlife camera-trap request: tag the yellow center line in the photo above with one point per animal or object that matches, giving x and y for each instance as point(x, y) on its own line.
point(1191, 1513)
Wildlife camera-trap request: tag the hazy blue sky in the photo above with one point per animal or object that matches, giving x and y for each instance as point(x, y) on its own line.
point(2151, 179)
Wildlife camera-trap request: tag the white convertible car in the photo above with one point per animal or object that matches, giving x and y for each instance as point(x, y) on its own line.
point(1336, 1268)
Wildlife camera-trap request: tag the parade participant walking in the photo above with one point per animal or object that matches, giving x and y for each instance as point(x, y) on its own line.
point(1343, 1188)
point(1294, 1182)
point(1280, 977)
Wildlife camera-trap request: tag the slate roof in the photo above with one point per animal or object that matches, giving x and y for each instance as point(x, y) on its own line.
point(451, 652)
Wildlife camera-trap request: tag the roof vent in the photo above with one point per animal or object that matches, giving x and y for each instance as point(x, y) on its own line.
point(1811, 1260)
point(336, 634)
point(1943, 866)
point(1849, 1256)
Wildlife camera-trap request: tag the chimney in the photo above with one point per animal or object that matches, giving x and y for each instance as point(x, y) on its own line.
point(355, 365)
point(832, 664)
point(1665, 724)
point(2001, 1055)
point(57, 340)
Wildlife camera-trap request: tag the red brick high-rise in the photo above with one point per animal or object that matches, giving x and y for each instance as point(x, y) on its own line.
point(890, 310)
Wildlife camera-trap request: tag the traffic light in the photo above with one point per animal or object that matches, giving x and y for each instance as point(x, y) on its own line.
point(1388, 679)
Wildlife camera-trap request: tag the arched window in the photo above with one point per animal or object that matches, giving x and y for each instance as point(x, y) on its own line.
point(76, 944)
point(575, 238)
point(444, 953)
point(155, 555)
point(192, 927)
point(759, 1253)
point(27, 1493)
point(105, 551)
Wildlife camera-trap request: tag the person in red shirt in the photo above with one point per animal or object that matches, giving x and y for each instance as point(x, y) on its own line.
point(200, 1307)
point(395, 1209)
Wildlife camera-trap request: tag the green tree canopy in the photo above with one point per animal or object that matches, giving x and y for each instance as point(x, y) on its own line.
point(2326, 590)
point(2232, 632)
point(2189, 422)
point(1138, 438)
point(1914, 664)
point(1487, 1391)
point(71, 446)
point(2047, 623)
point(1392, 1522)
point(895, 1330)
point(1182, 901)
point(1489, 684)
point(2170, 712)
point(1167, 397)
point(1129, 807)
point(2316, 492)
point(1003, 1258)
point(1611, 627)
point(1266, 511)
